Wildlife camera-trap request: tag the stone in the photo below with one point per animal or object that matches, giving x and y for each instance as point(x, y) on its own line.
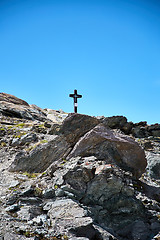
point(140, 231)
point(13, 208)
point(40, 158)
point(28, 138)
point(113, 147)
point(68, 217)
point(153, 165)
point(115, 122)
point(79, 238)
point(29, 191)
point(127, 128)
point(12, 99)
point(13, 236)
point(139, 132)
point(14, 183)
point(48, 193)
point(157, 237)
point(59, 192)
point(76, 125)
point(30, 201)
point(14, 107)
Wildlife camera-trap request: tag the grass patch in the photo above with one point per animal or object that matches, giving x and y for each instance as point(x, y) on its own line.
point(3, 144)
point(31, 175)
point(20, 125)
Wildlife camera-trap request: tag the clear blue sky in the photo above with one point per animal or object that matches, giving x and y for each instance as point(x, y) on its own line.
point(108, 50)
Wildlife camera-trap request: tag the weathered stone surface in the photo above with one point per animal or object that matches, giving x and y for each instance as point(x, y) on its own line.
point(41, 157)
point(68, 217)
point(76, 125)
point(25, 139)
point(112, 147)
point(153, 165)
point(140, 231)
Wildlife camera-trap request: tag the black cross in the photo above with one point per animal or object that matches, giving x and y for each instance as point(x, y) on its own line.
point(75, 96)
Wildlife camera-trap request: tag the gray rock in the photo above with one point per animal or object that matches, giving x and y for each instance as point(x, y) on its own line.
point(12, 199)
point(59, 192)
point(18, 108)
point(39, 159)
point(13, 236)
point(30, 200)
point(153, 165)
point(140, 132)
point(68, 217)
point(14, 183)
point(47, 206)
point(140, 231)
point(13, 208)
point(79, 238)
point(28, 138)
point(48, 193)
point(27, 192)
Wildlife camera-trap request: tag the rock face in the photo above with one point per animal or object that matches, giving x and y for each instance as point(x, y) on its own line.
point(67, 214)
point(76, 179)
point(40, 158)
point(112, 147)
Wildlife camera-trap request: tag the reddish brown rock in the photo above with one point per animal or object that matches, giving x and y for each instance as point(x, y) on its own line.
point(112, 147)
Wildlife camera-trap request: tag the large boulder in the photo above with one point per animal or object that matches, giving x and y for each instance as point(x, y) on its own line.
point(76, 125)
point(113, 147)
point(40, 158)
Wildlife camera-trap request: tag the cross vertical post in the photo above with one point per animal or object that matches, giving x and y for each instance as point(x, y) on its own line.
point(75, 96)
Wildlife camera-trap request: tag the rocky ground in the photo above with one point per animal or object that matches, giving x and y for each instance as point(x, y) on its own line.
point(75, 176)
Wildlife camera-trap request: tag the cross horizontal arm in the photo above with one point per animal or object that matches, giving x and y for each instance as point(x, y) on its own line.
point(75, 95)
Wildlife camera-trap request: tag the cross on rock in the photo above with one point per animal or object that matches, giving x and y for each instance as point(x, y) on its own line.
point(75, 96)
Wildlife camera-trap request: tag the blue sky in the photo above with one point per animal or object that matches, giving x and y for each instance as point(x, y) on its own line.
point(108, 50)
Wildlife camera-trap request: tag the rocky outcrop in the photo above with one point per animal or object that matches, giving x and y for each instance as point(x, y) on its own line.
point(138, 130)
point(15, 107)
point(77, 179)
point(4, 97)
point(113, 147)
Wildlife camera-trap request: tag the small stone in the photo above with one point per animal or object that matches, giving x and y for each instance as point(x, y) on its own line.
point(13, 208)
point(14, 183)
point(59, 193)
point(27, 192)
point(47, 206)
point(47, 125)
point(48, 193)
